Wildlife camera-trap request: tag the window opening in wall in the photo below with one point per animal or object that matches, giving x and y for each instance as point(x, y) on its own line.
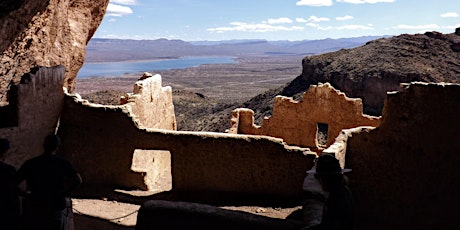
point(321, 134)
point(156, 166)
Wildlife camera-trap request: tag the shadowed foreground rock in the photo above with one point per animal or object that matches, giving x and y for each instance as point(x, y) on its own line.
point(160, 214)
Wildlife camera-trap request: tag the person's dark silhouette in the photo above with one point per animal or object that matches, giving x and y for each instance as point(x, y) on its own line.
point(338, 208)
point(50, 180)
point(9, 200)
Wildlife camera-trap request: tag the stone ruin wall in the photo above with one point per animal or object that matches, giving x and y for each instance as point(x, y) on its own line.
point(39, 103)
point(152, 106)
point(296, 122)
point(152, 103)
point(408, 168)
point(45, 33)
point(101, 140)
point(405, 172)
point(110, 145)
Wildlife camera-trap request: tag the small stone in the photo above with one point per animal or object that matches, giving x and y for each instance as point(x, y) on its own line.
point(260, 210)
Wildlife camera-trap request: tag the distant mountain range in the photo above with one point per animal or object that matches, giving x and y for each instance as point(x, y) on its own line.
point(105, 50)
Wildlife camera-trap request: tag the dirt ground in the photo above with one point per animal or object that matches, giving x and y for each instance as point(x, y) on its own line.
point(120, 215)
point(101, 209)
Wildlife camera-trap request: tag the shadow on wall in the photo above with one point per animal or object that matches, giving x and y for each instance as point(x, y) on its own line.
point(405, 172)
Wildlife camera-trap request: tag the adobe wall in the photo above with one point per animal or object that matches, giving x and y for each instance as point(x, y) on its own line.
point(152, 103)
point(101, 140)
point(39, 103)
point(113, 145)
point(406, 172)
point(152, 106)
point(296, 122)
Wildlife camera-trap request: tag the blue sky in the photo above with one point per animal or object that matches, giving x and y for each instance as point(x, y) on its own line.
point(197, 20)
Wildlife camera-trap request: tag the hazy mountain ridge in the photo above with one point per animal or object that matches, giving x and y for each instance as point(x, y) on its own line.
point(107, 50)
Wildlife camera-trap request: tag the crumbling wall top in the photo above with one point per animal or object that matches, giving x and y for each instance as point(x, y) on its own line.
point(298, 122)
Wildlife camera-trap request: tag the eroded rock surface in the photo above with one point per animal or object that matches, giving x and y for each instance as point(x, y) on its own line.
point(45, 33)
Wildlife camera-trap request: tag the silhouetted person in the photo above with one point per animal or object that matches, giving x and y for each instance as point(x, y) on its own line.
point(50, 180)
point(338, 207)
point(9, 200)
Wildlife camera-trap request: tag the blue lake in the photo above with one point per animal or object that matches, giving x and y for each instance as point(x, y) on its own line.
point(121, 68)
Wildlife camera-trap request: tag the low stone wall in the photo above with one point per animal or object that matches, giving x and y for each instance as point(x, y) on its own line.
point(297, 122)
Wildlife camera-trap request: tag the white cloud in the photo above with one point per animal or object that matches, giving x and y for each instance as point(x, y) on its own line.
point(118, 10)
point(355, 27)
point(345, 27)
point(124, 2)
point(279, 21)
point(316, 19)
point(346, 17)
point(317, 26)
point(417, 27)
point(314, 3)
point(301, 20)
point(364, 1)
point(259, 27)
point(449, 15)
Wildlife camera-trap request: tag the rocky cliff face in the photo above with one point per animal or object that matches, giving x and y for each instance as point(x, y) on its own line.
point(45, 33)
point(370, 71)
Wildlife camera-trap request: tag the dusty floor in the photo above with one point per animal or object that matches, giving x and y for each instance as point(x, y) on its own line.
point(125, 214)
point(107, 213)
